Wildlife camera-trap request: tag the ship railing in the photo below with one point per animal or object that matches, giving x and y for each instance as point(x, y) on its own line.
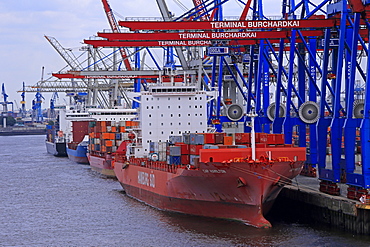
point(155, 165)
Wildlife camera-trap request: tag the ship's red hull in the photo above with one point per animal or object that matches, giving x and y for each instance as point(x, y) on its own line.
point(102, 165)
point(243, 191)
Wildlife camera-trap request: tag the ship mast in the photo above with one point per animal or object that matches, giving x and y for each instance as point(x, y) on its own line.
point(252, 115)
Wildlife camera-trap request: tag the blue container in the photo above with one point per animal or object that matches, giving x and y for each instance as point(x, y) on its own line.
point(366, 2)
point(199, 139)
point(193, 139)
point(196, 139)
point(174, 139)
point(186, 138)
point(210, 146)
point(152, 147)
point(118, 136)
point(175, 151)
point(173, 160)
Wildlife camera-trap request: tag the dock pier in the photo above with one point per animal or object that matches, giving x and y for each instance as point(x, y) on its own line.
point(302, 201)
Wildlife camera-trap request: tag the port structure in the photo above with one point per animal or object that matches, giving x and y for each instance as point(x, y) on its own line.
point(5, 103)
point(303, 74)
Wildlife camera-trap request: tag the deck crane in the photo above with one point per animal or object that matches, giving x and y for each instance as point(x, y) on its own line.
point(114, 26)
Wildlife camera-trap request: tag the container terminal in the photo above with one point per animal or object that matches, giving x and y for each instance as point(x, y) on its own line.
point(302, 75)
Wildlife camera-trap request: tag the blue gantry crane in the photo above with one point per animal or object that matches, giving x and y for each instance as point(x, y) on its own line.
point(5, 103)
point(298, 73)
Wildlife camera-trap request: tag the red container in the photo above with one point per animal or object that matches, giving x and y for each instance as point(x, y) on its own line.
point(261, 137)
point(184, 148)
point(185, 159)
point(242, 138)
point(279, 139)
point(270, 139)
point(219, 138)
point(261, 145)
point(194, 149)
point(209, 138)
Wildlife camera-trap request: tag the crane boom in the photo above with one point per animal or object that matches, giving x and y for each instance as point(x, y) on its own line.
point(114, 26)
point(200, 7)
point(67, 56)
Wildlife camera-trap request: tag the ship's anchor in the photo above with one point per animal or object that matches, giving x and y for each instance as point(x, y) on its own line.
point(241, 182)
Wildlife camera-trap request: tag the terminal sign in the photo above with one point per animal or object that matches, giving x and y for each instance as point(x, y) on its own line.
point(218, 51)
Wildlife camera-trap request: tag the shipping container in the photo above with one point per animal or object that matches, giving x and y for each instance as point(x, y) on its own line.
point(174, 150)
point(228, 140)
point(186, 138)
point(185, 159)
point(184, 148)
point(194, 159)
point(219, 138)
point(194, 149)
point(174, 139)
point(173, 160)
point(210, 146)
point(242, 138)
point(209, 138)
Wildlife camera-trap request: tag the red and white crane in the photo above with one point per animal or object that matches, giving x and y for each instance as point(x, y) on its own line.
point(115, 29)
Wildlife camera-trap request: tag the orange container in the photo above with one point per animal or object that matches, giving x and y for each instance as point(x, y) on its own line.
point(128, 123)
point(103, 129)
point(109, 143)
point(114, 129)
point(122, 129)
point(106, 136)
point(103, 123)
point(228, 140)
point(112, 136)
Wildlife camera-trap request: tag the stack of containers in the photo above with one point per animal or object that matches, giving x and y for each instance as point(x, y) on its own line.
point(174, 150)
point(196, 144)
point(159, 148)
point(107, 136)
point(174, 155)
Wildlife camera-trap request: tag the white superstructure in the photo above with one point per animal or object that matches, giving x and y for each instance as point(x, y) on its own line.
point(170, 111)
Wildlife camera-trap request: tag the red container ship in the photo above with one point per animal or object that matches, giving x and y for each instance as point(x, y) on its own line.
point(105, 135)
point(172, 163)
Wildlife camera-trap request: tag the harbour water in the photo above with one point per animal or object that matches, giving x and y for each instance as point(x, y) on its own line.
point(51, 201)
